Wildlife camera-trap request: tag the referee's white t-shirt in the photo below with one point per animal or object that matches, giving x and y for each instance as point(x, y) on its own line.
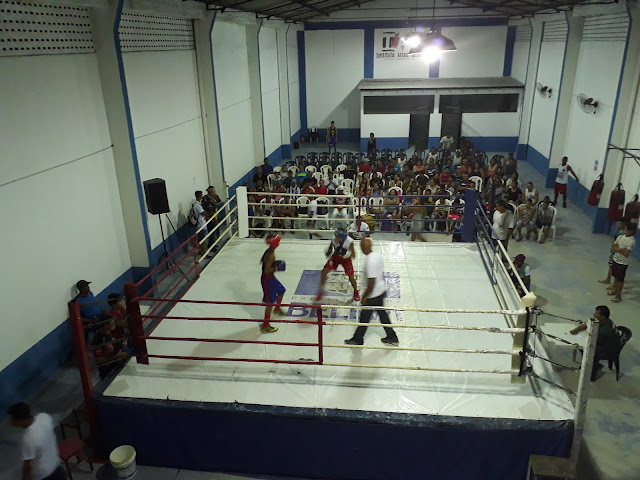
point(364, 230)
point(39, 444)
point(373, 268)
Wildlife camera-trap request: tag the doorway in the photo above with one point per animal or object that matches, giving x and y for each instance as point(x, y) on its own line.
point(419, 131)
point(452, 124)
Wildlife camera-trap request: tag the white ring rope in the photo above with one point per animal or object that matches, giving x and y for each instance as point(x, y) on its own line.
point(419, 349)
point(436, 327)
point(424, 369)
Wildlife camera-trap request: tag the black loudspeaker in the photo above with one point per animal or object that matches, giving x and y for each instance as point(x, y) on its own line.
point(155, 192)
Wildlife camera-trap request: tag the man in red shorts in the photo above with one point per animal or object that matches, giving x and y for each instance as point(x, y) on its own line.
point(272, 289)
point(341, 252)
point(562, 179)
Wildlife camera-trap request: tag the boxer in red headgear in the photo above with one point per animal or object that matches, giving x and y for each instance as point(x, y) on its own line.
point(272, 289)
point(340, 252)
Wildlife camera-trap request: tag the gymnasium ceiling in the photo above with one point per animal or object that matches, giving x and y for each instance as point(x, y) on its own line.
point(360, 10)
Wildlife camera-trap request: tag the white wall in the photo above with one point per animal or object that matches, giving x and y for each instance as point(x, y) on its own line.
point(480, 52)
point(597, 76)
point(504, 124)
point(294, 80)
point(167, 125)
point(270, 90)
point(61, 212)
point(385, 126)
point(543, 113)
point(334, 67)
point(234, 99)
point(390, 62)
point(520, 61)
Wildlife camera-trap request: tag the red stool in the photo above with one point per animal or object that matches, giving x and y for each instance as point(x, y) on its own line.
point(70, 448)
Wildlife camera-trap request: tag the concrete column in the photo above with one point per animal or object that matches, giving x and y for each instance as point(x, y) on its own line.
point(571, 52)
point(105, 22)
point(208, 101)
point(530, 88)
point(253, 58)
point(283, 83)
point(622, 117)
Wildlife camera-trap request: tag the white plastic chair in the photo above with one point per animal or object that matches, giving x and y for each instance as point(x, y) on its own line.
point(294, 169)
point(398, 190)
point(362, 201)
point(318, 177)
point(375, 205)
point(552, 228)
point(378, 174)
point(277, 169)
point(271, 180)
point(310, 169)
point(302, 202)
point(325, 169)
point(347, 183)
point(477, 181)
point(323, 202)
point(341, 167)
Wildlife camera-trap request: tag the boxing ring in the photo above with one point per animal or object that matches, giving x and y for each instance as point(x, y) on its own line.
point(457, 399)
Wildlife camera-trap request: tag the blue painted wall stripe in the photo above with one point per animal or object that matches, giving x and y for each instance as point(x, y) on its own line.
point(302, 78)
point(369, 39)
point(132, 138)
point(412, 23)
point(508, 51)
point(434, 67)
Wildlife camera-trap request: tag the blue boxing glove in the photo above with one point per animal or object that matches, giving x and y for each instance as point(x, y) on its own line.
point(280, 265)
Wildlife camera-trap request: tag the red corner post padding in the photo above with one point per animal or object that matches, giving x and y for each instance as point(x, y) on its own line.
point(136, 328)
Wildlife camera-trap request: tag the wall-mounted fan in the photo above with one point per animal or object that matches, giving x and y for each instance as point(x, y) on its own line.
point(587, 104)
point(543, 90)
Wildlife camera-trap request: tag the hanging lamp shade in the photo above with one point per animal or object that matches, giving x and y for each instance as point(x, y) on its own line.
point(438, 40)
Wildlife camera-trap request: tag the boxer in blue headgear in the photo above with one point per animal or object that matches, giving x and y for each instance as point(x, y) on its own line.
point(340, 252)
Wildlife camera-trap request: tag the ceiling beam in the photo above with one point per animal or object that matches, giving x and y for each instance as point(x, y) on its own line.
point(332, 8)
point(312, 7)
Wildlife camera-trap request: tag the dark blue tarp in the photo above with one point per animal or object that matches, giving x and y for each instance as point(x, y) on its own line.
point(333, 444)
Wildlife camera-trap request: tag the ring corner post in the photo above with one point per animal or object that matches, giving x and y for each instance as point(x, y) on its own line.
point(243, 212)
point(584, 382)
point(520, 339)
point(136, 327)
point(320, 336)
point(82, 360)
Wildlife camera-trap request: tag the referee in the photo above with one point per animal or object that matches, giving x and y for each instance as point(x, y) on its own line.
point(375, 290)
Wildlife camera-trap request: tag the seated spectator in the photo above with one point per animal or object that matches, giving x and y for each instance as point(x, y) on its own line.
point(432, 155)
point(364, 166)
point(118, 311)
point(106, 350)
point(512, 179)
point(544, 219)
point(266, 168)
point(340, 203)
point(525, 215)
point(90, 310)
point(451, 187)
point(493, 168)
point(289, 178)
point(523, 270)
point(465, 183)
point(259, 176)
point(547, 200)
point(478, 171)
point(349, 173)
point(510, 165)
point(392, 209)
point(514, 194)
point(211, 203)
point(322, 188)
point(431, 169)
point(397, 165)
point(293, 189)
point(358, 229)
point(608, 342)
point(380, 168)
point(444, 178)
point(530, 193)
point(457, 157)
point(418, 167)
point(440, 213)
point(422, 180)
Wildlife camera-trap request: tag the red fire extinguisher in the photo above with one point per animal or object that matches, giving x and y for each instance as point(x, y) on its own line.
point(632, 210)
point(616, 204)
point(596, 192)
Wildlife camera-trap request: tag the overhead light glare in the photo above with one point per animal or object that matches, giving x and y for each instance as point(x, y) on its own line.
point(431, 54)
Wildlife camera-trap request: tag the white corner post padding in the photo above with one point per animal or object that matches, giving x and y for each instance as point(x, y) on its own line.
point(243, 212)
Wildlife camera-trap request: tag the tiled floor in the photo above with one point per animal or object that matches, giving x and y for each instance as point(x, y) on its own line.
point(564, 278)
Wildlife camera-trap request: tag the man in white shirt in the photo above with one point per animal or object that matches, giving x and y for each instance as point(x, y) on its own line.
point(562, 179)
point(375, 289)
point(331, 183)
point(503, 223)
point(198, 211)
point(358, 229)
point(622, 249)
point(38, 444)
point(446, 142)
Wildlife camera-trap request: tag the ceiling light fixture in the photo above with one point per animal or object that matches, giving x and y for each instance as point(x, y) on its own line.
point(428, 45)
